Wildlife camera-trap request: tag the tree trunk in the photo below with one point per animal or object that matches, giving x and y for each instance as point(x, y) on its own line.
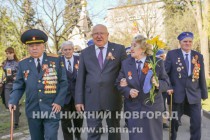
point(200, 17)
point(205, 50)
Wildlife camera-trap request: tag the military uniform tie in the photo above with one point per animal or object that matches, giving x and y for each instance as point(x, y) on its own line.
point(187, 63)
point(139, 68)
point(38, 65)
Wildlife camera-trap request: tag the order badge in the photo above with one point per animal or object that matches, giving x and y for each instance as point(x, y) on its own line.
point(9, 71)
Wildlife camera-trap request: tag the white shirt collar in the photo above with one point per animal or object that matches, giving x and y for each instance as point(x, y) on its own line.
point(71, 59)
point(40, 58)
point(105, 46)
point(142, 60)
point(183, 52)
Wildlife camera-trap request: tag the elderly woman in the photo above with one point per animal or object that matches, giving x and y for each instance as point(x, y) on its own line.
point(134, 82)
point(10, 66)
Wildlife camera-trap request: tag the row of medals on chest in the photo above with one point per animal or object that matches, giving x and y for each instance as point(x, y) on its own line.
point(50, 81)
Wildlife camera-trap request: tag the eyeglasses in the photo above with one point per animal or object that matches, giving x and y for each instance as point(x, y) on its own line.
point(98, 34)
point(67, 49)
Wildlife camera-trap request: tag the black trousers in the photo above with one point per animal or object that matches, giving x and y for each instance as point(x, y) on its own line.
point(194, 112)
point(68, 123)
point(96, 124)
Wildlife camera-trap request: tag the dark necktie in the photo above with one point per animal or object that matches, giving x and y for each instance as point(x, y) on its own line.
point(100, 57)
point(187, 62)
point(69, 67)
point(139, 68)
point(38, 65)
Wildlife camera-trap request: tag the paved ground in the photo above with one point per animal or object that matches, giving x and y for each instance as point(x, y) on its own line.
point(183, 134)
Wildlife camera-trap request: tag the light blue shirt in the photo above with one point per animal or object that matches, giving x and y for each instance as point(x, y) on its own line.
point(67, 63)
point(40, 58)
point(104, 51)
point(142, 60)
point(189, 58)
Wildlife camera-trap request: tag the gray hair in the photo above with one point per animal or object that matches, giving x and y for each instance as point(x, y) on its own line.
point(67, 43)
point(141, 41)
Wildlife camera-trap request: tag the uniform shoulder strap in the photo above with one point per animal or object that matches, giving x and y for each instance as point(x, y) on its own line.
point(52, 55)
point(24, 58)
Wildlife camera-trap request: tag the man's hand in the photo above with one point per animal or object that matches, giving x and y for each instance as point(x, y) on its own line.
point(170, 91)
point(123, 82)
point(12, 107)
point(134, 93)
point(79, 107)
point(56, 108)
point(155, 82)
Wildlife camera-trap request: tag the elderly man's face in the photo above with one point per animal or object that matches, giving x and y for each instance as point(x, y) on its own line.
point(100, 35)
point(68, 51)
point(36, 50)
point(186, 44)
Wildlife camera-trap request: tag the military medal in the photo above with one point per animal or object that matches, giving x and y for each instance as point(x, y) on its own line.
point(52, 64)
point(180, 76)
point(196, 69)
point(76, 66)
point(179, 69)
point(129, 75)
point(62, 64)
point(26, 74)
point(44, 67)
point(50, 78)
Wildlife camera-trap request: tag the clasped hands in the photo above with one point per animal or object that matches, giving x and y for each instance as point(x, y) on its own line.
point(123, 82)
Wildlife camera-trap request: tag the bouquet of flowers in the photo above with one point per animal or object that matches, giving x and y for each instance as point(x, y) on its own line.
point(157, 44)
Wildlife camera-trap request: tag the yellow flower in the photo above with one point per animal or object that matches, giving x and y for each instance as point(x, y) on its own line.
point(150, 65)
point(161, 44)
point(157, 42)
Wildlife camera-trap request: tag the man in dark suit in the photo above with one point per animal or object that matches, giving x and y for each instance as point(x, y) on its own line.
point(185, 68)
point(95, 91)
point(43, 78)
point(71, 63)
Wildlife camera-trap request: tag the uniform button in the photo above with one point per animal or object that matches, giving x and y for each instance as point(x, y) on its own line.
point(40, 100)
point(39, 81)
point(40, 90)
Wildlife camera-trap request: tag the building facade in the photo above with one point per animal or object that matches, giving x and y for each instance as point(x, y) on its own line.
point(125, 22)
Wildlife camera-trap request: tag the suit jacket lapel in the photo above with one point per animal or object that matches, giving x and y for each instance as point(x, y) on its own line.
point(180, 55)
point(142, 78)
point(75, 62)
point(94, 57)
point(192, 65)
point(32, 65)
point(109, 49)
point(132, 67)
point(45, 61)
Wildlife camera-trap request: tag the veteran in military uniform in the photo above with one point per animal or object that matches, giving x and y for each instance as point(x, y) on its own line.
point(185, 68)
point(43, 78)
